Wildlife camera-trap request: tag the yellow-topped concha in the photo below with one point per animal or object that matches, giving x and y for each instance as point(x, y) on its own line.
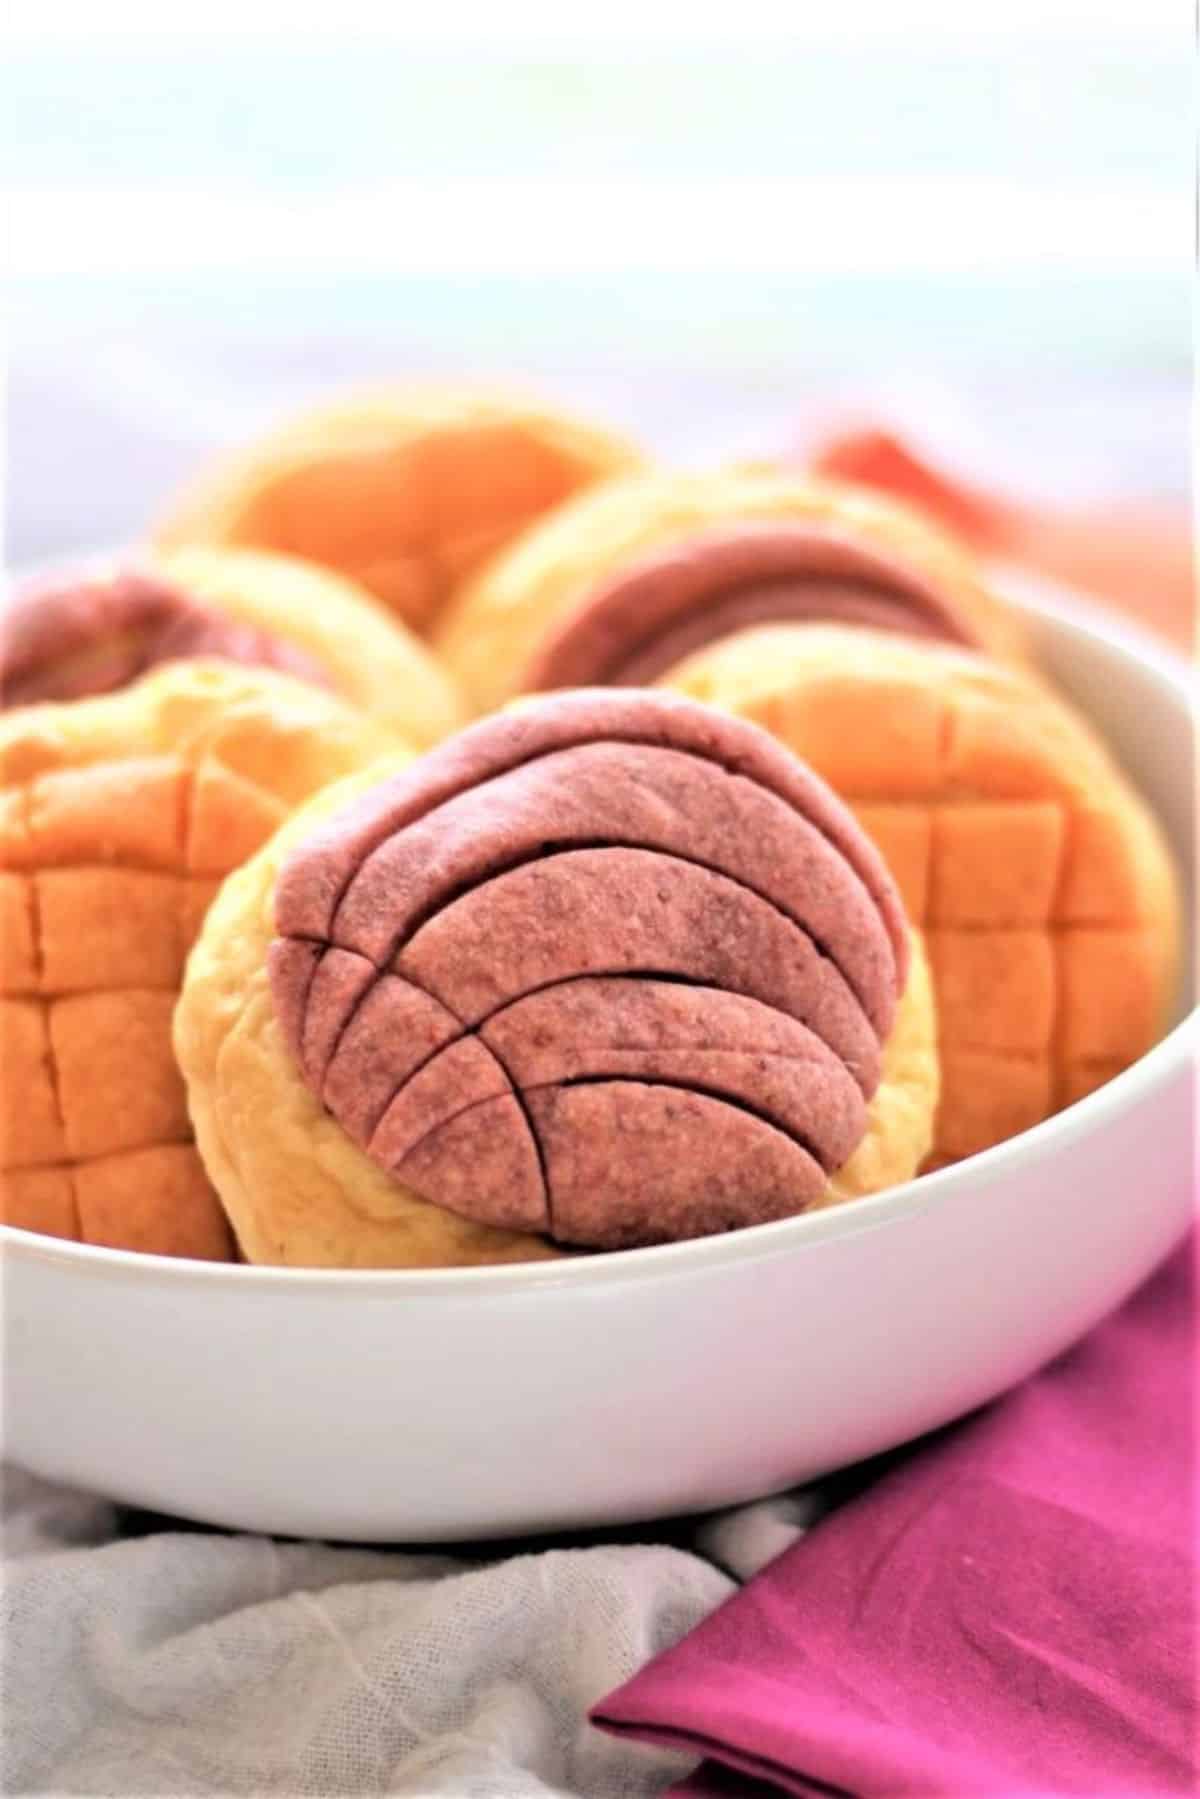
point(119, 818)
point(1040, 878)
point(405, 489)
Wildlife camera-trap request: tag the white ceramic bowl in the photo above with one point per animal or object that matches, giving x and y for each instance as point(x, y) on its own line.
point(438, 1405)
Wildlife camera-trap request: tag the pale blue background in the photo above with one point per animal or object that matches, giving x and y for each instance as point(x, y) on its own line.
point(208, 228)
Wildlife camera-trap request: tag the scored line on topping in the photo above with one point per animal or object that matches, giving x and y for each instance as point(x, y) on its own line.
point(498, 746)
point(470, 958)
point(829, 899)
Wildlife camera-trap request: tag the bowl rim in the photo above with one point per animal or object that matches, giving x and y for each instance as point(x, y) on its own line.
point(1033, 595)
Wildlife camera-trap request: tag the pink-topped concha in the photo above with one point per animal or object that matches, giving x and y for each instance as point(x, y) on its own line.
point(608, 970)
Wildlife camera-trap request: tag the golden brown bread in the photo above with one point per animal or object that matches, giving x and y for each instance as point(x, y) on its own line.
point(1040, 878)
point(490, 636)
point(119, 817)
point(406, 490)
point(299, 1190)
point(372, 658)
point(95, 628)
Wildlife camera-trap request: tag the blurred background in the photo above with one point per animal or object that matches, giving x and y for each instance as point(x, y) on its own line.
point(973, 224)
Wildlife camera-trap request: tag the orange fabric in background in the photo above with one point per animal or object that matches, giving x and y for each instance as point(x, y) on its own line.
point(1135, 557)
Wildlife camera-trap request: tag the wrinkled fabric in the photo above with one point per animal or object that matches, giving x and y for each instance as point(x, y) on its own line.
point(1007, 1609)
point(142, 1658)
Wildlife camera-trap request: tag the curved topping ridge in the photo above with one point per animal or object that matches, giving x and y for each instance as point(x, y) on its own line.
point(615, 968)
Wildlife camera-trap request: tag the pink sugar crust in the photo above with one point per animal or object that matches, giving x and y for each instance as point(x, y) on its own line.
point(65, 640)
point(660, 607)
point(315, 877)
point(617, 913)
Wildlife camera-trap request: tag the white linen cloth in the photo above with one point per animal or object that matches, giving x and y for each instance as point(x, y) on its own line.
point(181, 1663)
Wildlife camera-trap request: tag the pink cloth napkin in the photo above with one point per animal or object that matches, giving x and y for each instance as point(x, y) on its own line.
point(1008, 1609)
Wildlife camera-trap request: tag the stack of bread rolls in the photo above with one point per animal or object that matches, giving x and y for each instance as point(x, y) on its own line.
point(454, 839)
